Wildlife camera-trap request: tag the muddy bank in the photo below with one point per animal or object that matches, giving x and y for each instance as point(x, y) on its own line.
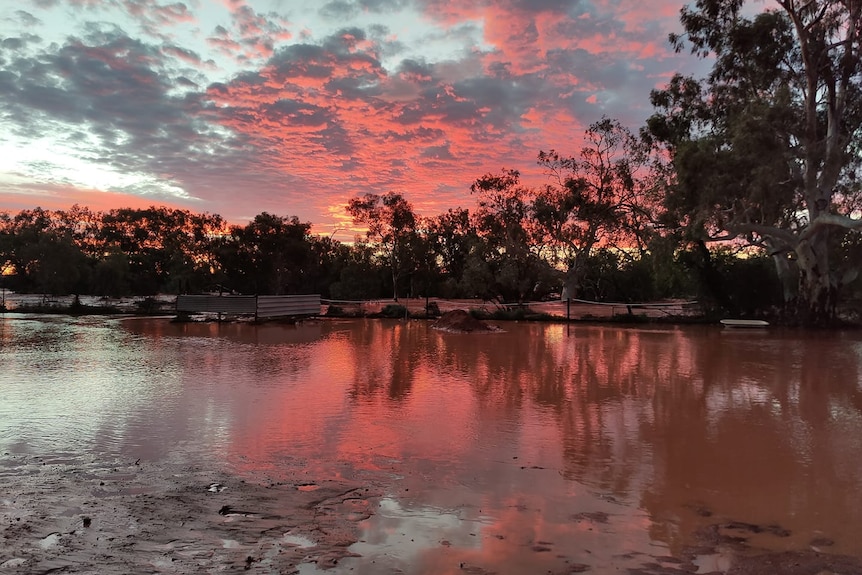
point(74, 516)
point(71, 515)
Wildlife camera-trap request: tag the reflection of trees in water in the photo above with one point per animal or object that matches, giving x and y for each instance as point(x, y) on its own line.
point(757, 431)
point(755, 425)
point(748, 425)
point(583, 379)
point(209, 375)
point(387, 356)
point(614, 375)
point(268, 351)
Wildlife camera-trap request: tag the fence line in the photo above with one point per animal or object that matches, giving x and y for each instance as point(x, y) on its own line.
point(262, 307)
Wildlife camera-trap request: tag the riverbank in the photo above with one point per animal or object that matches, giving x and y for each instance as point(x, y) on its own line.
point(670, 312)
point(69, 515)
point(414, 307)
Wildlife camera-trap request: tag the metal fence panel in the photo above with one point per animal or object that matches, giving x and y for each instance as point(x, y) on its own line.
point(288, 305)
point(234, 304)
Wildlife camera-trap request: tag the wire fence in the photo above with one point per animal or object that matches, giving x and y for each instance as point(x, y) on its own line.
point(575, 308)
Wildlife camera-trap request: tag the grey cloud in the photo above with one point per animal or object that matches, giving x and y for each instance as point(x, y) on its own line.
point(299, 60)
point(342, 41)
point(418, 71)
point(438, 152)
point(118, 91)
point(338, 9)
point(343, 9)
point(297, 113)
point(19, 42)
point(26, 18)
point(586, 27)
point(327, 61)
point(383, 6)
point(183, 81)
point(612, 78)
point(479, 100)
point(554, 6)
point(387, 43)
point(355, 87)
point(419, 134)
point(336, 140)
point(182, 53)
point(523, 7)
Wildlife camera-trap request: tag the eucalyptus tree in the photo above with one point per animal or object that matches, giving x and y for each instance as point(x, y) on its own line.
point(391, 224)
point(359, 274)
point(166, 248)
point(510, 261)
point(270, 255)
point(5, 244)
point(43, 254)
point(451, 239)
point(597, 199)
point(766, 148)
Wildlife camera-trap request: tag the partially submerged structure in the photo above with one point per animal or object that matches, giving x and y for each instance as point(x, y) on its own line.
point(261, 307)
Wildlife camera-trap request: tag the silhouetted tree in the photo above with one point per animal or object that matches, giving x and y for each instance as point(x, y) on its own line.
point(269, 255)
point(391, 226)
point(598, 198)
point(512, 247)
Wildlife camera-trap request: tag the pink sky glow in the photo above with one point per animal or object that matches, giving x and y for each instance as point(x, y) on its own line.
point(244, 106)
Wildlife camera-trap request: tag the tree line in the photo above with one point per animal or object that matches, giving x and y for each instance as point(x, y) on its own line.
point(760, 159)
point(457, 254)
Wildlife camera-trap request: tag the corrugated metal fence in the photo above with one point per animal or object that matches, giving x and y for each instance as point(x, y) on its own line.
point(262, 307)
point(287, 305)
point(232, 304)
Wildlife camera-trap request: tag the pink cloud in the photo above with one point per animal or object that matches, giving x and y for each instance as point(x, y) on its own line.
point(309, 124)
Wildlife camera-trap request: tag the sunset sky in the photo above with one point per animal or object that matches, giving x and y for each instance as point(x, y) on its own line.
point(237, 107)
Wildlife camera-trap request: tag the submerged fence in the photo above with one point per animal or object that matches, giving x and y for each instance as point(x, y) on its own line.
point(261, 307)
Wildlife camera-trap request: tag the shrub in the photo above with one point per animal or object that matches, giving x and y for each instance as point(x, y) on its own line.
point(148, 305)
point(394, 311)
point(335, 311)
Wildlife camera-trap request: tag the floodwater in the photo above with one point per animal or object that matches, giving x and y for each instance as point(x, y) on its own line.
point(511, 451)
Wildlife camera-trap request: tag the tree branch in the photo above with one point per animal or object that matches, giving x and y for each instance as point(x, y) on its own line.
point(825, 220)
point(786, 237)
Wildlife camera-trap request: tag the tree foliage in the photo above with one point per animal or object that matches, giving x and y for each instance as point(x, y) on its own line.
point(391, 223)
point(269, 255)
point(766, 147)
point(508, 266)
point(598, 198)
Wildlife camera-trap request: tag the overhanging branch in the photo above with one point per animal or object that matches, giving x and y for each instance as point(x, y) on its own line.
point(783, 236)
point(826, 220)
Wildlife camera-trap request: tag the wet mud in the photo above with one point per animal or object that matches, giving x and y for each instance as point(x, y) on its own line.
point(63, 516)
point(85, 516)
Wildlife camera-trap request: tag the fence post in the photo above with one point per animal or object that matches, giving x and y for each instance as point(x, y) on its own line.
point(565, 296)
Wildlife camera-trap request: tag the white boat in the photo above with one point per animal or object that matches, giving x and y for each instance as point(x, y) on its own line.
point(744, 323)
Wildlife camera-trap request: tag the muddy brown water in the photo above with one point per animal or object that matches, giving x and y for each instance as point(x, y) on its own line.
point(541, 448)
